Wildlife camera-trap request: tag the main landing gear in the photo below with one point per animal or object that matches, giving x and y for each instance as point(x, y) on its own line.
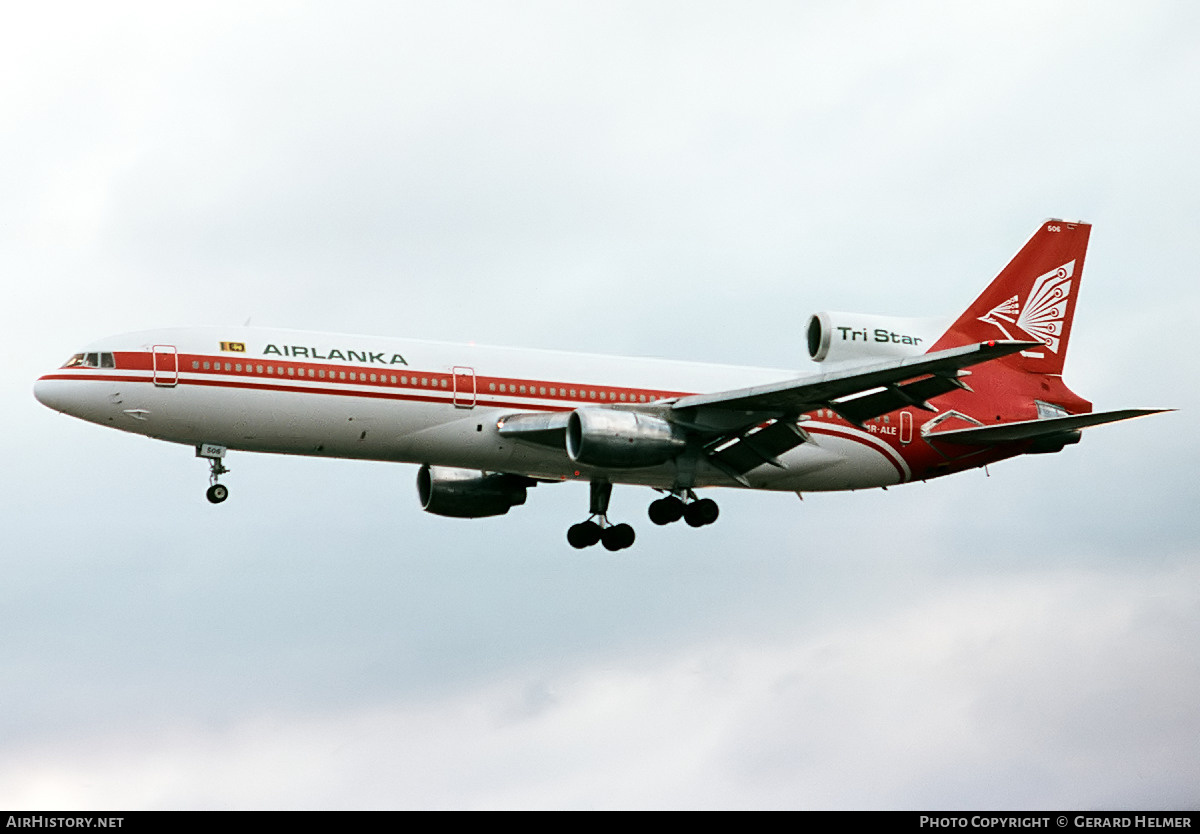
point(217, 492)
point(679, 504)
point(597, 528)
point(685, 505)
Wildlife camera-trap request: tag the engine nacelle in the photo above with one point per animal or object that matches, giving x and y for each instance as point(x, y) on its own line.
point(621, 439)
point(468, 493)
point(835, 337)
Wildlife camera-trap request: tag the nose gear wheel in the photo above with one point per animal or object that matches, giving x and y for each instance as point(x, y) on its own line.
point(217, 492)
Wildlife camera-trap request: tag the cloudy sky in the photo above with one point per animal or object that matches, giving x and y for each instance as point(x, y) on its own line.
point(667, 179)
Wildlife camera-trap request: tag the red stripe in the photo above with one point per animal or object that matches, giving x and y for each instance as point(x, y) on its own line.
point(143, 361)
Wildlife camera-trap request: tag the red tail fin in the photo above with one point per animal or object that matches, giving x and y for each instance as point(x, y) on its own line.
point(1032, 298)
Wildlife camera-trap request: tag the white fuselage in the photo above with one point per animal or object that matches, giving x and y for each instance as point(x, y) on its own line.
point(302, 393)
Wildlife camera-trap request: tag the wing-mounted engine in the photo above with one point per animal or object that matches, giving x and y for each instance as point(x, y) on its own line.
point(835, 337)
point(621, 439)
point(469, 493)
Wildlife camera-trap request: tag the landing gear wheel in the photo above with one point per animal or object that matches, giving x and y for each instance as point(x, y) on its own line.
point(584, 534)
point(700, 513)
point(666, 510)
point(617, 537)
point(217, 493)
point(597, 528)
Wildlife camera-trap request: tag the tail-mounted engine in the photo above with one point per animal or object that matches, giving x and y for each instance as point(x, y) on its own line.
point(468, 493)
point(835, 337)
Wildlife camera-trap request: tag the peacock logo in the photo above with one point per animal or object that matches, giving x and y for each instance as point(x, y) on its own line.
point(1044, 312)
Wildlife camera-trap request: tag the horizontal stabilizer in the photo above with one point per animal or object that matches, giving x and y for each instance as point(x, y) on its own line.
point(1032, 429)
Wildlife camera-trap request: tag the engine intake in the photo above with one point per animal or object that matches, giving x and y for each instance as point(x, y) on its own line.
point(468, 493)
point(621, 439)
point(839, 336)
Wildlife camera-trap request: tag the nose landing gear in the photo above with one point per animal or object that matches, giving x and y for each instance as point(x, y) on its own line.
point(214, 454)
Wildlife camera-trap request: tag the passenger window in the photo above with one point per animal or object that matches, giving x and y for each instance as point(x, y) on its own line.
point(195, 364)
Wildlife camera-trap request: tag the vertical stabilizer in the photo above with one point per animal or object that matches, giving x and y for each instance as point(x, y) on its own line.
point(1033, 298)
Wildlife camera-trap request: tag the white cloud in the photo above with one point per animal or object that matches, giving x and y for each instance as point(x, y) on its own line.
point(1062, 689)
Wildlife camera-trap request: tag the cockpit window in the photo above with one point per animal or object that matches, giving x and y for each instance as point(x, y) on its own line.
point(91, 360)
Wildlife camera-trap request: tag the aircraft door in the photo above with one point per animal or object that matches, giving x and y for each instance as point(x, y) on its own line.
point(165, 364)
point(906, 427)
point(464, 386)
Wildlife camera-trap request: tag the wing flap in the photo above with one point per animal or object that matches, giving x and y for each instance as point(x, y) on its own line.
point(758, 446)
point(918, 393)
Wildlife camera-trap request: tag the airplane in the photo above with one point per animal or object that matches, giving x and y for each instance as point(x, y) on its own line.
point(896, 400)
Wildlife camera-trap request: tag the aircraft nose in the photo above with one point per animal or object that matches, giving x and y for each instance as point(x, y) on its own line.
point(53, 393)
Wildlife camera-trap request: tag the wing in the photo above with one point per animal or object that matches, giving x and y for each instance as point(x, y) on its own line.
point(742, 429)
point(910, 381)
